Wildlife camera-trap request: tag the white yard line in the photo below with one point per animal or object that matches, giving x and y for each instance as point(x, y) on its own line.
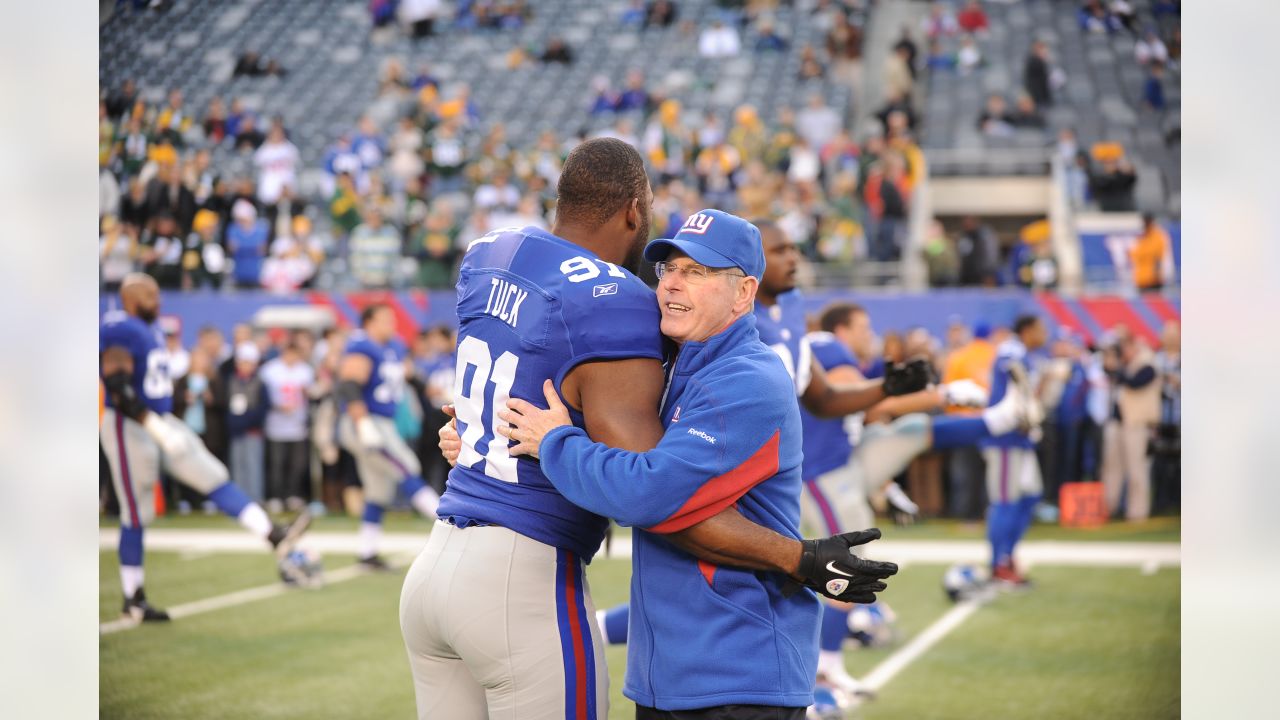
point(240, 597)
point(919, 645)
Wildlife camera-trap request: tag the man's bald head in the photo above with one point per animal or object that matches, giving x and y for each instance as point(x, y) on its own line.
point(140, 296)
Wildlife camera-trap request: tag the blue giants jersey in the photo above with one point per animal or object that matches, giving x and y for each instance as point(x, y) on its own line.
point(385, 386)
point(828, 442)
point(145, 344)
point(532, 306)
point(782, 328)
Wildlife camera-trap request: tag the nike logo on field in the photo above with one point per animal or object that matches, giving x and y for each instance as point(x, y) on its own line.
point(832, 567)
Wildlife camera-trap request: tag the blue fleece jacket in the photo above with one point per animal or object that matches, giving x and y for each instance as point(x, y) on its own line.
point(702, 635)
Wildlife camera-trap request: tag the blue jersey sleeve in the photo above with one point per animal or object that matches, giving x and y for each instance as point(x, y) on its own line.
point(611, 320)
point(831, 355)
point(723, 445)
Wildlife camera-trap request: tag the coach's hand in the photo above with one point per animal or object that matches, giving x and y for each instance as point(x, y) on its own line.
point(906, 378)
point(450, 443)
point(829, 567)
point(530, 423)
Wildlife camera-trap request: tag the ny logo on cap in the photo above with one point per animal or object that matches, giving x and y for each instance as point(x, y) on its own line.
point(697, 224)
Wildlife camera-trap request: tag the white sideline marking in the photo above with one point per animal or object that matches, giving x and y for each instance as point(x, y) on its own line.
point(240, 597)
point(919, 645)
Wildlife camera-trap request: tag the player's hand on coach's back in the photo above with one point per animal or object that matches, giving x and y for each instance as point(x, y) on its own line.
point(528, 424)
point(829, 567)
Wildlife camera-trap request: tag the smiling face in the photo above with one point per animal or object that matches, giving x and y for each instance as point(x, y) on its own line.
point(693, 311)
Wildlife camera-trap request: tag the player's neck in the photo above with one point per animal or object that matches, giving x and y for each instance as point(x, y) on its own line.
point(766, 299)
point(590, 240)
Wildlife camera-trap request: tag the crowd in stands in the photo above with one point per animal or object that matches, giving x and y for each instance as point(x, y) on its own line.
point(401, 198)
point(262, 402)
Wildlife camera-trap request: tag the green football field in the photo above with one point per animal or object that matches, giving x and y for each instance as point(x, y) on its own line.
point(1085, 643)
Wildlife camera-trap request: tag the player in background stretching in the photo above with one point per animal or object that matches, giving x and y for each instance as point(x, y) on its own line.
point(140, 436)
point(1013, 472)
point(843, 468)
point(371, 383)
point(496, 612)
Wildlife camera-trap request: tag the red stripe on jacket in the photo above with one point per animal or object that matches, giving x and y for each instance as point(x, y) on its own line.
point(720, 492)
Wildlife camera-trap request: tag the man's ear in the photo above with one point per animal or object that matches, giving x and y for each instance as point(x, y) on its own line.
point(633, 214)
point(746, 296)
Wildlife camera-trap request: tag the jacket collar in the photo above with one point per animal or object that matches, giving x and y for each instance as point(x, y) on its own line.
point(693, 356)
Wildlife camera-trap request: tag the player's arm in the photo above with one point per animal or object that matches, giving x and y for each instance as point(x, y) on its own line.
point(828, 398)
point(116, 369)
point(617, 400)
point(353, 372)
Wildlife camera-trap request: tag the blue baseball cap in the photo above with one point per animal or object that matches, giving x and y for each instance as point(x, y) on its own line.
point(716, 239)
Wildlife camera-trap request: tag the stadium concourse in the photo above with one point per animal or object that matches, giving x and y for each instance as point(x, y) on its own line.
point(279, 167)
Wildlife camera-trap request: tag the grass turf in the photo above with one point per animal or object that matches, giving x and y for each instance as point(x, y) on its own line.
point(1086, 643)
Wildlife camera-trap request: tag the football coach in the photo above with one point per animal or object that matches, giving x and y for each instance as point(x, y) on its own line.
point(707, 641)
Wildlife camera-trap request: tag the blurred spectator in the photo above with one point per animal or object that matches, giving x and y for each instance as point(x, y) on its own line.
point(406, 153)
point(711, 132)
point(937, 59)
point(973, 19)
point(748, 135)
point(1153, 87)
point(277, 163)
point(435, 245)
point(248, 136)
point(162, 253)
point(447, 158)
point(634, 96)
point(434, 364)
point(606, 100)
point(133, 143)
point(979, 252)
point(421, 16)
point(939, 22)
point(1135, 412)
point(817, 123)
point(966, 468)
point(288, 267)
point(498, 195)
point(996, 120)
point(1035, 75)
point(940, 257)
point(667, 143)
point(204, 261)
point(1094, 18)
point(661, 13)
point(844, 47)
point(1064, 393)
point(368, 144)
point(892, 202)
point(247, 243)
point(716, 167)
point(215, 121)
point(898, 72)
point(116, 251)
point(344, 206)
point(122, 100)
point(133, 209)
point(424, 78)
point(1111, 184)
point(910, 51)
point(634, 15)
point(969, 56)
point(166, 193)
point(381, 14)
point(1149, 256)
point(235, 116)
point(1166, 471)
point(896, 103)
point(557, 52)
point(1124, 14)
point(340, 158)
point(1150, 49)
point(374, 251)
point(811, 68)
point(286, 380)
point(247, 406)
point(768, 39)
point(1025, 114)
point(719, 41)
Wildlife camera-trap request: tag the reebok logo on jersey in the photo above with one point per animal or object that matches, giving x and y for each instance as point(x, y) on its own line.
point(697, 224)
point(698, 433)
point(602, 290)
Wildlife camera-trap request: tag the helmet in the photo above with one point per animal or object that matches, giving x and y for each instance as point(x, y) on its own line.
point(963, 582)
point(872, 625)
point(829, 703)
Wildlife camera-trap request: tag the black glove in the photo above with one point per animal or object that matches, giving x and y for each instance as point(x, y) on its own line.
point(829, 568)
point(124, 399)
point(906, 378)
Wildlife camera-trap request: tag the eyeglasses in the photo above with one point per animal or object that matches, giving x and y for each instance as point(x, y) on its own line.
point(694, 273)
